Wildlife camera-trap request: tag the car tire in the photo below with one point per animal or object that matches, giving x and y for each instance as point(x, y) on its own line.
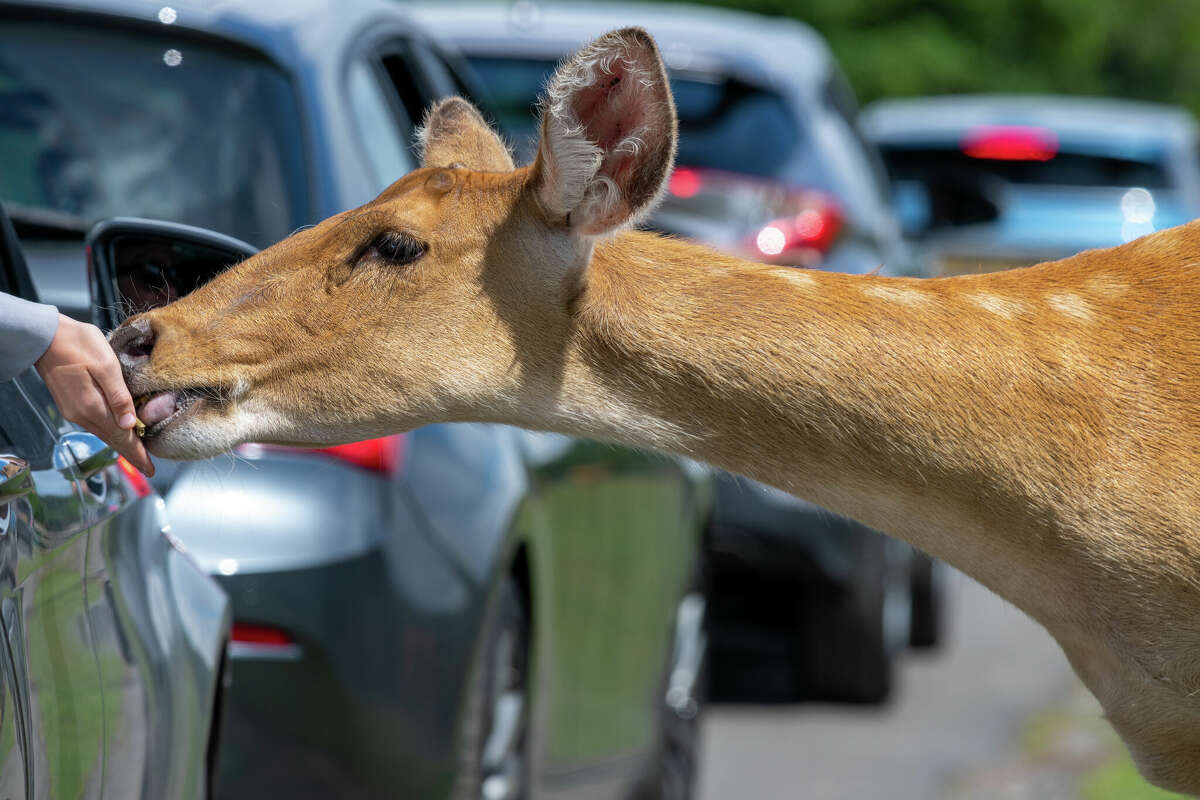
point(494, 759)
point(928, 602)
point(672, 775)
point(856, 631)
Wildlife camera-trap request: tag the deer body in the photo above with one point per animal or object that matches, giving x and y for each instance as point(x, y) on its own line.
point(1071, 489)
point(1036, 428)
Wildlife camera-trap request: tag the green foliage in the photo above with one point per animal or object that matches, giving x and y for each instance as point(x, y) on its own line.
point(1119, 780)
point(1125, 48)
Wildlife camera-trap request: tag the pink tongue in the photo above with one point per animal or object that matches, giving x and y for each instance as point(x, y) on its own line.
point(158, 408)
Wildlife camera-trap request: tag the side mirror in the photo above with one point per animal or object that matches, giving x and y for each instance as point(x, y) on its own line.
point(138, 264)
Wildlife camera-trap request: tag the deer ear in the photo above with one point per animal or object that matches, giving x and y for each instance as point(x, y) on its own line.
point(608, 134)
point(455, 133)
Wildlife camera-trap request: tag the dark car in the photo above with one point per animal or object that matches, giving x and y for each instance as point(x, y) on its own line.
point(467, 611)
point(988, 182)
point(113, 639)
point(803, 603)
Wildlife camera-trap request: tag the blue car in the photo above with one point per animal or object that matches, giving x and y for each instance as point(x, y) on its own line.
point(986, 182)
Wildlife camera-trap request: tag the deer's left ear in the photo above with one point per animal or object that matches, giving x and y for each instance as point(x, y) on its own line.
point(455, 133)
point(608, 134)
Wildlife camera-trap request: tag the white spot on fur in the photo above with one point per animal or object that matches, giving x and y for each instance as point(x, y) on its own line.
point(898, 294)
point(1007, 307)
point(1106, 286)
point(1070, 304)
point(796, 276)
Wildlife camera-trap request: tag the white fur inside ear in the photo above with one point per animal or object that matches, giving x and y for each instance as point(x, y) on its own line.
point(583, 156)
point(571, 164)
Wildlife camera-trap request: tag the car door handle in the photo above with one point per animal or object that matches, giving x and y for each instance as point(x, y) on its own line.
point(16, 479)
point(80, 455)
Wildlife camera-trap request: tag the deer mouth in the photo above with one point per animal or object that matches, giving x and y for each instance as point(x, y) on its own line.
point(159, 410)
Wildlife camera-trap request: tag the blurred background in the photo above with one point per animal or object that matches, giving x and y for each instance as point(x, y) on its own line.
point(473, 611)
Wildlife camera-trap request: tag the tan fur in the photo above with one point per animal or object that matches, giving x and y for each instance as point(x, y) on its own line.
point(1039, 428)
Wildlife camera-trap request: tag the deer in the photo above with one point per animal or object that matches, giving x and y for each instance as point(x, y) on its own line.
point(1038, 428)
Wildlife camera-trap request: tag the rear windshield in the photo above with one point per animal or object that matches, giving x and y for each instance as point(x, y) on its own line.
point(1065, 168)
point(98, 121)
point(724, 123)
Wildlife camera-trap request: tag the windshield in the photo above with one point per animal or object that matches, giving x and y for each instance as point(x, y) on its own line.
point(99, 121)
point(724, 123)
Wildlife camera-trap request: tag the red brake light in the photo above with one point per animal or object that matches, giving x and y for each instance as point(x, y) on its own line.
point(813, 229)
point(1010, 143)
point(384, 455)
point(250, 633)
point(685, 182)
point(137, 481)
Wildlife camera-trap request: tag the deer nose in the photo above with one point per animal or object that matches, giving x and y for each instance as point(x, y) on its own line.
point(133, 343)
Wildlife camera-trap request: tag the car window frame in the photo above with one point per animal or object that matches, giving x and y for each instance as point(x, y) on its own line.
point(373, 38)
point(14, 276)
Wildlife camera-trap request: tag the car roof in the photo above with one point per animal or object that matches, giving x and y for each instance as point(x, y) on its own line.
point(947, 118)
point(272, 26)
point(775, 49)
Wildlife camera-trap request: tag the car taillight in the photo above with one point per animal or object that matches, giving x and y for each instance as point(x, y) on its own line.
point(685, 182)
point(267, 635)
point(137, 481)
point(385, 455)
point(1010, 143)
point(803, 236)
point(251, 640)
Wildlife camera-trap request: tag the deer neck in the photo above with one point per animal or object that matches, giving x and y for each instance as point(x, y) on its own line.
point(958, 414)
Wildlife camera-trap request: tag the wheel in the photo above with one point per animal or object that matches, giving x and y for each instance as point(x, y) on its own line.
point(928, 602)
point(854, 632)
point(673, 773)
point(494, 761)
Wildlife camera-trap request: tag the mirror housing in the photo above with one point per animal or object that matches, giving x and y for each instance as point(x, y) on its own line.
point(138, 264)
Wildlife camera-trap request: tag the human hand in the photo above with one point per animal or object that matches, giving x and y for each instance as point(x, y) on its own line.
point(84, 376)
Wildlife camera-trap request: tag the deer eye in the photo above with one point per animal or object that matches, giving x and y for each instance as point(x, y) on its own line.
point(395, 248)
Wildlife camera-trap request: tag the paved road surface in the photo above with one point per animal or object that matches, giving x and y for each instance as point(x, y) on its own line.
point(956, 713)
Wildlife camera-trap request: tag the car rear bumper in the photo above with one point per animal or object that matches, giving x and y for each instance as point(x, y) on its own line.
point(756, 527)
point(361, 702)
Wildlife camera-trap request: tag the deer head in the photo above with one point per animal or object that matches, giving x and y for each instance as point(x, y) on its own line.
point(447, 297)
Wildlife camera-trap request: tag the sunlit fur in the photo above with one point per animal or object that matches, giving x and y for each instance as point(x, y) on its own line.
point(1038, 428)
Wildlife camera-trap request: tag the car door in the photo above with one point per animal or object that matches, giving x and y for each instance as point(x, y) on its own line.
point(49, 661)
point(625, 539)
point(113, 636)
point(51, 708)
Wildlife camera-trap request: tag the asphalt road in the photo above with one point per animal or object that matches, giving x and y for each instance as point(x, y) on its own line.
point(958, 714)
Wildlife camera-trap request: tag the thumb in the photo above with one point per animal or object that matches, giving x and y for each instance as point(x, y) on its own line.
point(108, 377)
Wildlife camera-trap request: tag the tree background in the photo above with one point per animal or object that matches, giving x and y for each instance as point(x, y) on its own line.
point(1141, 49)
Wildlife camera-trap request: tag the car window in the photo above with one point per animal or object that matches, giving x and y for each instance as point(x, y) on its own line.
point(414, 74)
point(14, 271)
point(165, 125)
point(23, 432)
point(384, 128)
point(1063, 168)
point(724, 122)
